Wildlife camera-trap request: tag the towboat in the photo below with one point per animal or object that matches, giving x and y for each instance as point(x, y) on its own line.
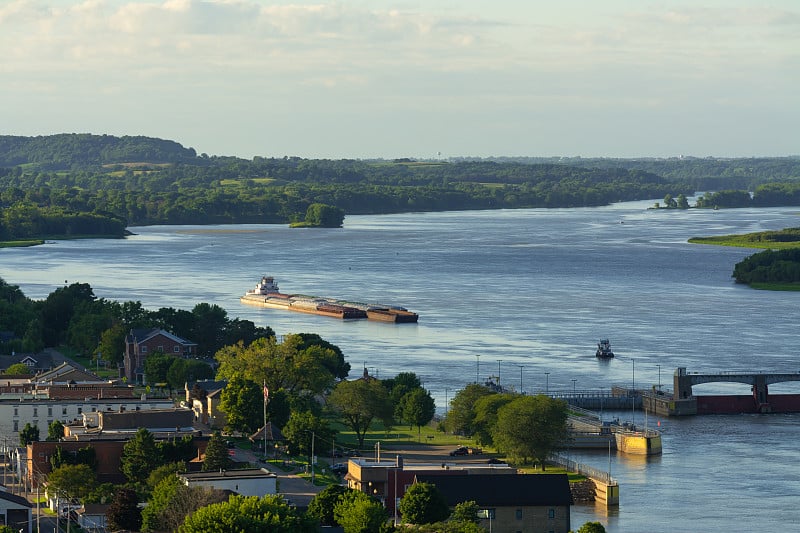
point(604, 349)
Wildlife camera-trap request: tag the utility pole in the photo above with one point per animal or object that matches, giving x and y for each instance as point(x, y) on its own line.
point(477, 368)
point(312, 457)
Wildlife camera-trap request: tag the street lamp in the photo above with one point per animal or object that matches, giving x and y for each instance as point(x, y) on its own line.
point(520, 378)
point(498, 372)
point(477, 368)
point(659, 377)
point(573, 380)
point(547, 382)
point(445, 401)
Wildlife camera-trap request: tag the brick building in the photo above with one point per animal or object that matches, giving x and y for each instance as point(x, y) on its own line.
point(140, 343)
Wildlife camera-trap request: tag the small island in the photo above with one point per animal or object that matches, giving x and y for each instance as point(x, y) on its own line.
point(776, 268)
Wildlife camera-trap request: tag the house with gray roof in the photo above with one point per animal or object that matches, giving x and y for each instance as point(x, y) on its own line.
point(526, 503)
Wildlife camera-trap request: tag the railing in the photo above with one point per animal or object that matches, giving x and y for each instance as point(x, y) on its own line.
point(582, 469)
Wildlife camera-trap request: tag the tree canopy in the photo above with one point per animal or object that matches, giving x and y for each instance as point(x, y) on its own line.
point(270, 514)
point(423, 504)
point(531, 427)
point(360, 402)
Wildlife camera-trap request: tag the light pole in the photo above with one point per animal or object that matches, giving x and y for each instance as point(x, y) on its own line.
point(633, 390)
point(520, 379)
point(498, 372)
point(659, 377)
point(477, 368)
point(547, 382)
point(573, 380)
point(445, 402)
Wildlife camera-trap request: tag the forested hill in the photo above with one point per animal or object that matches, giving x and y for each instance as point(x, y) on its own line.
point(68, 151)
point(143, 180)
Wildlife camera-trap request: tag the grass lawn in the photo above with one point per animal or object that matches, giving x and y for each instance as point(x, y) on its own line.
point(774, 240)
point(21, 244)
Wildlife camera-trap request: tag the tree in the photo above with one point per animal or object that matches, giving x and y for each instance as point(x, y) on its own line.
point(72, 481)
point(592, 527)
point(485, 409)
point(156, 366)
point(301, 428)
point(140, 456)
point(18, 369)
point(242, 401)
point(171, 501)
point(169, 470)
point(461, 415)
point(326, 216)
point(339, 368)
point(531, 427)
point(418, 408)
point(290, 365)
point(683, 203)
point(55, 431)
point(321, 507)
point(465, 512)
point(29, 433)
point(423, 504)
point(270, 514)
point(360, 402)
point(357, 512)
point(182, 370)
point(123, 511)
point(216, 457)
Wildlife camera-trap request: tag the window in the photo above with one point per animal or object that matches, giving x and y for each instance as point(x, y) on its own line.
point(63, 410)
point(16, 425)
point(16, 412)
point(49, 410)
point(176, 349)
point(35, 411)
point(519, 514)
point(161, 349)
point(551, 513)
point(143, 348)
point(80, 410)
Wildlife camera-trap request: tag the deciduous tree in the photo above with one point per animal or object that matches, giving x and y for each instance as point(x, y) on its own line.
point(531, 427)
point(357, 512)
point(124, 512)
point(242, 401)
point(360, 402)
point(423, 504)
point(255, 515)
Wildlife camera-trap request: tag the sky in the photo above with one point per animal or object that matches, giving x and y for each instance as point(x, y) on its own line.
point(385, 79)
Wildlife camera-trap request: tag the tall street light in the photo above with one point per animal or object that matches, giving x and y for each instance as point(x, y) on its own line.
point(573, 380)
point(547, 382)
point(520, 378)
point(659, 377)
point(498, 372)
point(477, 368)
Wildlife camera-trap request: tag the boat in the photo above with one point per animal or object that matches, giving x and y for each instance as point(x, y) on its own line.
point(604, 349)
point(267, 294)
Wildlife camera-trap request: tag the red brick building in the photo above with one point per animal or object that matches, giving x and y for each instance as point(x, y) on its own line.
point(140, 343)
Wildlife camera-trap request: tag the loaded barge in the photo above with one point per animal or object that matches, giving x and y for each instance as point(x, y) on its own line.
point(267, 294)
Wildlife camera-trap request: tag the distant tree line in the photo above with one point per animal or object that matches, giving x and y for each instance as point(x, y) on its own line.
point(152, 181)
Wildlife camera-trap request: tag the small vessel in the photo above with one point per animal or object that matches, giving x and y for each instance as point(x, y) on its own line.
point(604, 349)
point(267, 294)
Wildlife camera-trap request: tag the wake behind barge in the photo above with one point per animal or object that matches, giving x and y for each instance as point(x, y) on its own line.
point(267, 294)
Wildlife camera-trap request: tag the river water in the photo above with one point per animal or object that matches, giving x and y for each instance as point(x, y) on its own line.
point(523, 294)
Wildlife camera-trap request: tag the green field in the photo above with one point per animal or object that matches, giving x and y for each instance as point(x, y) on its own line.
point(772, 240)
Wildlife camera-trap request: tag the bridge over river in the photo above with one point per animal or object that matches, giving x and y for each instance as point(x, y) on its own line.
point(683, 402)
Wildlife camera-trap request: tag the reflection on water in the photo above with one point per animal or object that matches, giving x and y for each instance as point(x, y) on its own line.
point(530, 292)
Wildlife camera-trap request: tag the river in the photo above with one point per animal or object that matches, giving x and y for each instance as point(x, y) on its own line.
point(523, 294)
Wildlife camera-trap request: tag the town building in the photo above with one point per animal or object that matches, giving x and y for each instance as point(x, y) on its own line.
point(389, 480)
point(249, 482)
point(526, 503)
point(140, 343)
point(204, 398)
point(15, 512)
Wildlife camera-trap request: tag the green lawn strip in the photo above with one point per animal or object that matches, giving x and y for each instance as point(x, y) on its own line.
point(774, 240)
point(21, 244)
point(776, 286)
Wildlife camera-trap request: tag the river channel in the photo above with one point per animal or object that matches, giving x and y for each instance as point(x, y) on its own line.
point(523, 295)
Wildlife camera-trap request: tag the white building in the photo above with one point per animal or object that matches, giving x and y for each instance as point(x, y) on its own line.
point(250, 482)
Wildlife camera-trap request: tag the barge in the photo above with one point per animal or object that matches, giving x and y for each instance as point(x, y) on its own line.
point(267, 294)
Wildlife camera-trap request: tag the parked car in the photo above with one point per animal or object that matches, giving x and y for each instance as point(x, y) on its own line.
point(461, 450)
point(339, 468)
